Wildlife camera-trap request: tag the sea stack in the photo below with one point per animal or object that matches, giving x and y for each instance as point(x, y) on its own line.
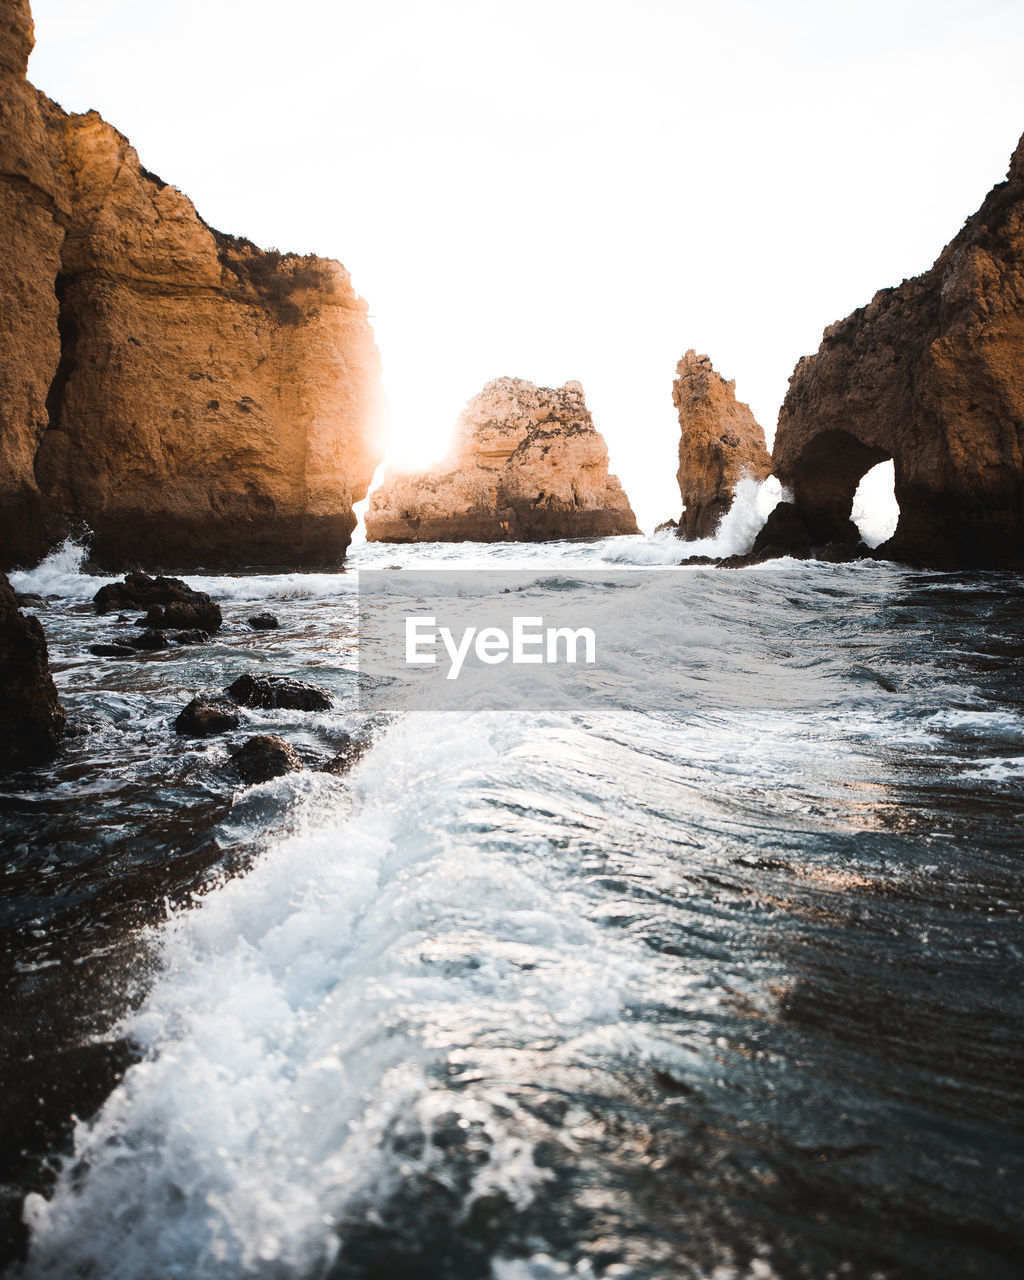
point(31, 717)
point(180, 396)
point(720, 442)
point(931, 375)
point(526, 465)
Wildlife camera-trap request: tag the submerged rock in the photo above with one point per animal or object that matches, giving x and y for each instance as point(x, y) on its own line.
point(526, 465)
point(263, 622)
point(149, 640)
point(195, 636)
point(264, 757)
point(931, 375)
point(200, 614)
point(720, 442)
point(31, 718)
point(192, 399)
point(113, 650)
point(207, 714)
point(269, 692)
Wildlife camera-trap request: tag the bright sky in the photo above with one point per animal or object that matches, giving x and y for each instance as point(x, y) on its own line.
point(557, 189)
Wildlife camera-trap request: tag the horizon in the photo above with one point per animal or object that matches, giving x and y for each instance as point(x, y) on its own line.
point(541, 194)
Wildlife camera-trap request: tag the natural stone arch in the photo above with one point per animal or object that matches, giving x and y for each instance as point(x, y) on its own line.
point(830, 468)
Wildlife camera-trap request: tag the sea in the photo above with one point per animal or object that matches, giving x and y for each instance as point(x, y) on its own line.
point(713, 975)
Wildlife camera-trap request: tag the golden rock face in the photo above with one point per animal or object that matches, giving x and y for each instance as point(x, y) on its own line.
point(526, 465)
point(185, 397)
point(930, 374)
point(720, 442)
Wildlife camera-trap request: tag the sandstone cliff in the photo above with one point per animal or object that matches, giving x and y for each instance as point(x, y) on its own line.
point(31, 717)
point(526, 465)
point(183, 396)
point(930, 374)
point(720, 442)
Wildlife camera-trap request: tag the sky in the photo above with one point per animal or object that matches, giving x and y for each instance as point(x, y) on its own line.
point(573, 189)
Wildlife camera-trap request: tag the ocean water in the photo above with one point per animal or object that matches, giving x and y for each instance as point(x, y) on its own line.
point(725, 984)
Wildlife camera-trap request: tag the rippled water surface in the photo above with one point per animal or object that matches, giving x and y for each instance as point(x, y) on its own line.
point(722, 985)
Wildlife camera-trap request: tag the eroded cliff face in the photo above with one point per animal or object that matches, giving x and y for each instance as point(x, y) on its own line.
point(186, 398)
point(720, 442)
point(930, 374)
point(525, 464)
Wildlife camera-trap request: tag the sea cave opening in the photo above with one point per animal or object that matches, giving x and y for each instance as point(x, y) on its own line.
point(875, 510)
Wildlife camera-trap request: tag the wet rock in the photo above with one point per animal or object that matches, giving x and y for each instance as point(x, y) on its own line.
point(350, 749)
point(202, 614)
point(113, 650)
point(784, 533)
point(665, 525)
point(139, 591)
point(31, 718)
point(149, 641)
point(700, 560)
point(29, 600)
point(263, 622)
point(207, 714)
point(266, 756)
point(843, 553)
point(196, 636)
point(268, 692)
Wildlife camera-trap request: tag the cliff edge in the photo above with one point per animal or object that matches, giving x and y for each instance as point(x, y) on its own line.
point(930, 374)
point(178, 395)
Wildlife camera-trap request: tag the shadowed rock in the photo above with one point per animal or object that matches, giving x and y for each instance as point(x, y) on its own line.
point(931, 375)
point(207, 714)
point(263, 622)
point(264, 757)
point(269, 692)
point(31, 718)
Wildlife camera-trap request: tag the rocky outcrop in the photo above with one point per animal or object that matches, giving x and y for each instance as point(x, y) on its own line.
point(720, 443)
point(31, 717)
point(525, 465)
point(930, 374)
point(184, 397)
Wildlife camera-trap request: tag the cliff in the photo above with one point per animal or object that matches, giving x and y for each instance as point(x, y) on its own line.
point(31, 717)
point(184, 397)
point(930, 374)
point(525, 465)
point(720, 442)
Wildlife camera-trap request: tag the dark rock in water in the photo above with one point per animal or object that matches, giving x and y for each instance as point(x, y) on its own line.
point(31, 717)
point(196, 636)
point(263, 622)
point(29, 600)
point(139, 591)
point(700, 560)
point(666, 524)
point(202, 614)
point(170, 602)
point(349, 751)
point(786, 533)
point(149, 640)
point(843, 553)
point(113, 650)
point(207, 714)
point(264, 757)
point(270, 692)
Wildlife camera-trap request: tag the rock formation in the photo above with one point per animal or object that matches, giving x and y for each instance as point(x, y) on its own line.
point(930, 374)
point(183, 396)
point(720, 442)
point(525, 465)
point(31, 717)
